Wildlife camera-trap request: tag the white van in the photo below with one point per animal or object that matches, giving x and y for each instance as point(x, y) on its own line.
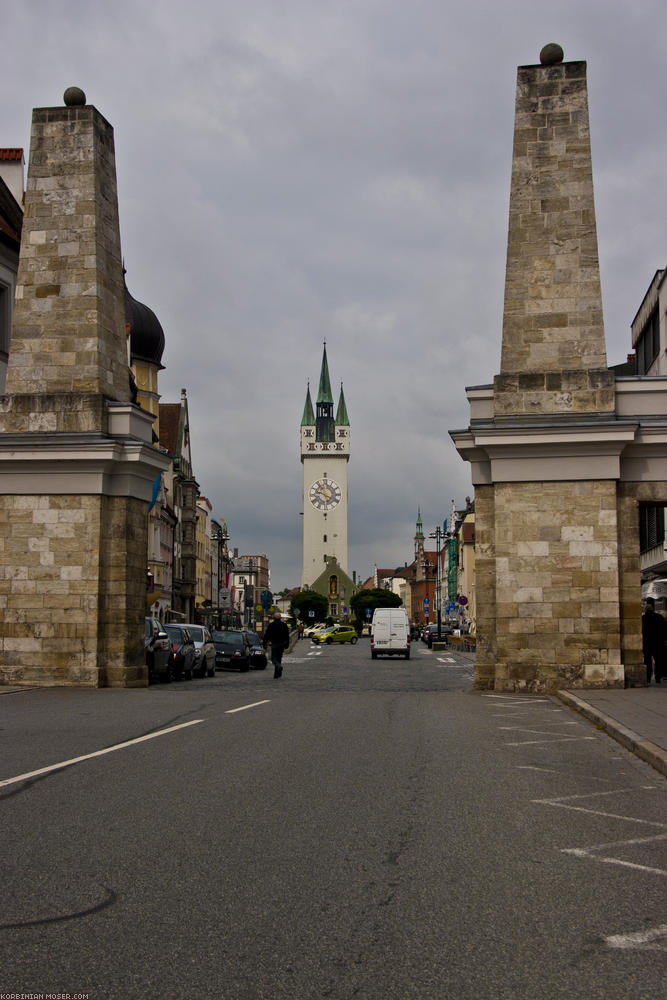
point(390, 633)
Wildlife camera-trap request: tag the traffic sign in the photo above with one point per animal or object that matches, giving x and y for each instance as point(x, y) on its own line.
point(463, 601)
point(426, 602)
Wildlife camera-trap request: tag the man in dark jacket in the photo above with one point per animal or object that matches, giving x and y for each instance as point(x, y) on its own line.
point(654, 633)
point(277, 635)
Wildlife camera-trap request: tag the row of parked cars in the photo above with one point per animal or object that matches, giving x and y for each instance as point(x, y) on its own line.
point(185, 650)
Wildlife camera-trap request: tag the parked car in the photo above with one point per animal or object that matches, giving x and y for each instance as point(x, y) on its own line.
point(183, 649)
point(258, 659)
point(337, 633)
point(311, 630)
point(204, 650)
point(430, 632)
point(232, 650)
point(159, 656)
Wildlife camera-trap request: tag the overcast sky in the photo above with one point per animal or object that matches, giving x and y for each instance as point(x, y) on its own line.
point(291, 171)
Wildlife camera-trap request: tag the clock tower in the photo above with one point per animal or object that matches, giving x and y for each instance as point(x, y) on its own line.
point(325, 452)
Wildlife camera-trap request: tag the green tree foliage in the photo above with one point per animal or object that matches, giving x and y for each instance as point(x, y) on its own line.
point(369, 600)
point(308, 600)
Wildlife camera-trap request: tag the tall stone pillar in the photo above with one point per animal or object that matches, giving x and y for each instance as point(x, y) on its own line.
point(544, 441)
point(76, 463)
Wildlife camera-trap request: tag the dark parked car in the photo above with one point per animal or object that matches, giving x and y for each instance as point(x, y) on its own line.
point(183, 649)
point(204, 650)
point(232, 650)
point(430, 632)
point(258, 659)
point(159, 657)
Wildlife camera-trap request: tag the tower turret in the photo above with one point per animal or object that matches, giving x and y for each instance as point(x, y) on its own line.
point(325, 427)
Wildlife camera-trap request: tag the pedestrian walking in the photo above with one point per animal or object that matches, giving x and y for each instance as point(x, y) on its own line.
point(277, 636)
point(301, 628)
point(654, 633)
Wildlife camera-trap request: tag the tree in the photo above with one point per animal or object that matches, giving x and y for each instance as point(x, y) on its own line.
point(369, 600)
point(309, 600)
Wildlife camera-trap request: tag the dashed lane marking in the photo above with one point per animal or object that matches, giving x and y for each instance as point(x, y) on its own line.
point(230, 711)
point(651, 940)
point(97, 753)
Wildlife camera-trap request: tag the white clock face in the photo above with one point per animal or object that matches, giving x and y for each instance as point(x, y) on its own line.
point(324, 494)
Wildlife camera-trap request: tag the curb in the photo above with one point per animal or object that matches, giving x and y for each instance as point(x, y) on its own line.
point(649, 752)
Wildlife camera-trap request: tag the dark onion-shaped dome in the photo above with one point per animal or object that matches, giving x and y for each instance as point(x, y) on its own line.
point(146, 333)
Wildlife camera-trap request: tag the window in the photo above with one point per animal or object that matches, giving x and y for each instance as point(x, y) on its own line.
point(648, 345)
point(651, 527)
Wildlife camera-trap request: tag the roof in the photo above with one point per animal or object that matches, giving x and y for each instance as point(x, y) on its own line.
point(342, 418)
point(11, 216)
point(169, 417)
point(308, 418)
point(468, 531)
point(146, 333)
point(324, 391)
point(12, 154)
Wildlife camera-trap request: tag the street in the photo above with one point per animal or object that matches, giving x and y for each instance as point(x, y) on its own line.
point(357, 829)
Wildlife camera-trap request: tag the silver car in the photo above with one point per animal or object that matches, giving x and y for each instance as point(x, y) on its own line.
point(204, 650)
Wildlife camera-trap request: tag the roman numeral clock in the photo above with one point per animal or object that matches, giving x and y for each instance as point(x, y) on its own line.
point(325, 452)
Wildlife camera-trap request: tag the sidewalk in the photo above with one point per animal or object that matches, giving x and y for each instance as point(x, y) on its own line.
point(636, 717)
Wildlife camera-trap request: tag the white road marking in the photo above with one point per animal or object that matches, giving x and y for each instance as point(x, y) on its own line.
point(641, 940)
point(528, 767)
point(511, 699)
point(563, 739)
point(97, 753)
point(582, 852)
point(449, 659)
point(591, 853)
point(231, 711)
point(537, 732)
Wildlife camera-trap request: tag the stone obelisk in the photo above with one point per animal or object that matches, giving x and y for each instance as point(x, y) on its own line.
point(76, 464)
point(544, 441)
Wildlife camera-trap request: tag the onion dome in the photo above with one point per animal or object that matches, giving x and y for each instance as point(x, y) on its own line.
point(146, 333)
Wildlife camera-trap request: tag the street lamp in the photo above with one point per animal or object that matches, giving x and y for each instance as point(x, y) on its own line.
point(438, 534)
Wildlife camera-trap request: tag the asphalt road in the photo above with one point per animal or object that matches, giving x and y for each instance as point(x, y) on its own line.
point(357, 829)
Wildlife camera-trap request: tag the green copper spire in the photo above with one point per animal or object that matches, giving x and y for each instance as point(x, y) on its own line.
point(308, 418)
point(420, 526)
point(324, 393)
point(342, 418)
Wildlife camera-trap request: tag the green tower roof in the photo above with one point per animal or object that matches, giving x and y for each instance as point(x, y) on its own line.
point(308, 418)
point(324, 392)
point(342, 418)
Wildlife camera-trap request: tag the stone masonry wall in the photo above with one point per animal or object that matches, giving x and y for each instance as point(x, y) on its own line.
point(485, 588)
point(49, 590)
point(557, 586)
point(67, 618)
point(122, 595)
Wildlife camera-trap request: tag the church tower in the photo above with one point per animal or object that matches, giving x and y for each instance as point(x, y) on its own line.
point(325, 452)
